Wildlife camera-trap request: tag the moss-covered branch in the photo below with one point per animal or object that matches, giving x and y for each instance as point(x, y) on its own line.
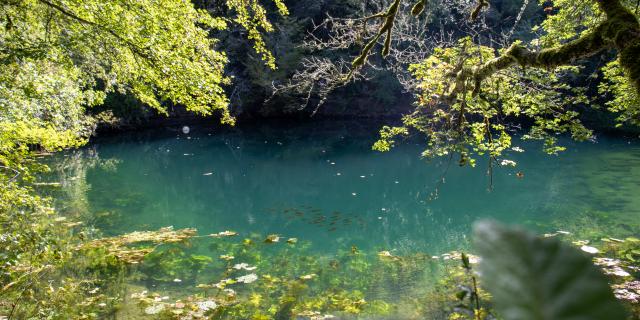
point(385, 28)
point(620, 31)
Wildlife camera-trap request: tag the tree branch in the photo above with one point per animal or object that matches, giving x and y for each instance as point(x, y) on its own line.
point(619, 31)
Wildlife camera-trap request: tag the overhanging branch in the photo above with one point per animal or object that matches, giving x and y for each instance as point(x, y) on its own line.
point(133, 47)
point(620, 31)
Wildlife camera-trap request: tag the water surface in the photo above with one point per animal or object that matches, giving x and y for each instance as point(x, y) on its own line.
point(322, 182)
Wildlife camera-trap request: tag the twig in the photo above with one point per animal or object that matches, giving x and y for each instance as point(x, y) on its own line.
point(518, 18)
point(14, 170)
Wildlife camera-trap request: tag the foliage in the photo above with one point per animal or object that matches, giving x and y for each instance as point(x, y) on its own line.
point(470, 93)
point(628, 249)
point(253, 279)
point(283, 280)
point(60, 58)
point(42, 275)
point(576, 18)
point(541, 278)
point(253, 17)
point(475, 124)
point(131, 47)
point(120, 246)
point(626, 100)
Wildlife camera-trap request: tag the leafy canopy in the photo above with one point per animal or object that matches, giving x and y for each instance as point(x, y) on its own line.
point(61, 57)
point(469, 94)
point(475, 125)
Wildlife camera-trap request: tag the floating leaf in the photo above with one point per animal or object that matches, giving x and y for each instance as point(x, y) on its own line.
point(616, 271)
point(244, 266)
point(607, 262)
point(534, 278)
point(589, 249)
point(628, 291)
point(154, 309)
point(120, 246)
point(308, 276)
point(226, 233)
point(385, 254)
point(247, 278)
point(223, 283)
point(206, 305)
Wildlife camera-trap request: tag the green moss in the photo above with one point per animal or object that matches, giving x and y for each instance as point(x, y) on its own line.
point(630, 62)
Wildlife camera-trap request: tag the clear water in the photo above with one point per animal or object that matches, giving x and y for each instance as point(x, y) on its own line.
point(322, 182)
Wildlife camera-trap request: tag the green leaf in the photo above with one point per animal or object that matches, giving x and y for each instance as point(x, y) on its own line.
point(461, 294)
point(533, 278)
point(465, 261)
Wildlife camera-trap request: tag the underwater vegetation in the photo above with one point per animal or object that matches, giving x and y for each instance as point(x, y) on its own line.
point(298, 254)
point(178, 274)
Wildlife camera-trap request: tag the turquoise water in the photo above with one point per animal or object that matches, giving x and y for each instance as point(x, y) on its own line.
point(322, 182)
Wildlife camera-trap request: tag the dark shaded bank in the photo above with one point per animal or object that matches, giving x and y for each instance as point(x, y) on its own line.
point(283, 128)
point(141, 118)
point(132, 116)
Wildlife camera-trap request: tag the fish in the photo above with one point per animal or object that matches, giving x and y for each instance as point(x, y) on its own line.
point(319, 219)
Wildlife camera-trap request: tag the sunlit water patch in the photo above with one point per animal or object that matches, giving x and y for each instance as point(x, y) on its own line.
point(321, 184)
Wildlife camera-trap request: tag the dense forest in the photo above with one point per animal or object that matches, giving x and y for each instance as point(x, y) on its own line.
point(298, 159)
